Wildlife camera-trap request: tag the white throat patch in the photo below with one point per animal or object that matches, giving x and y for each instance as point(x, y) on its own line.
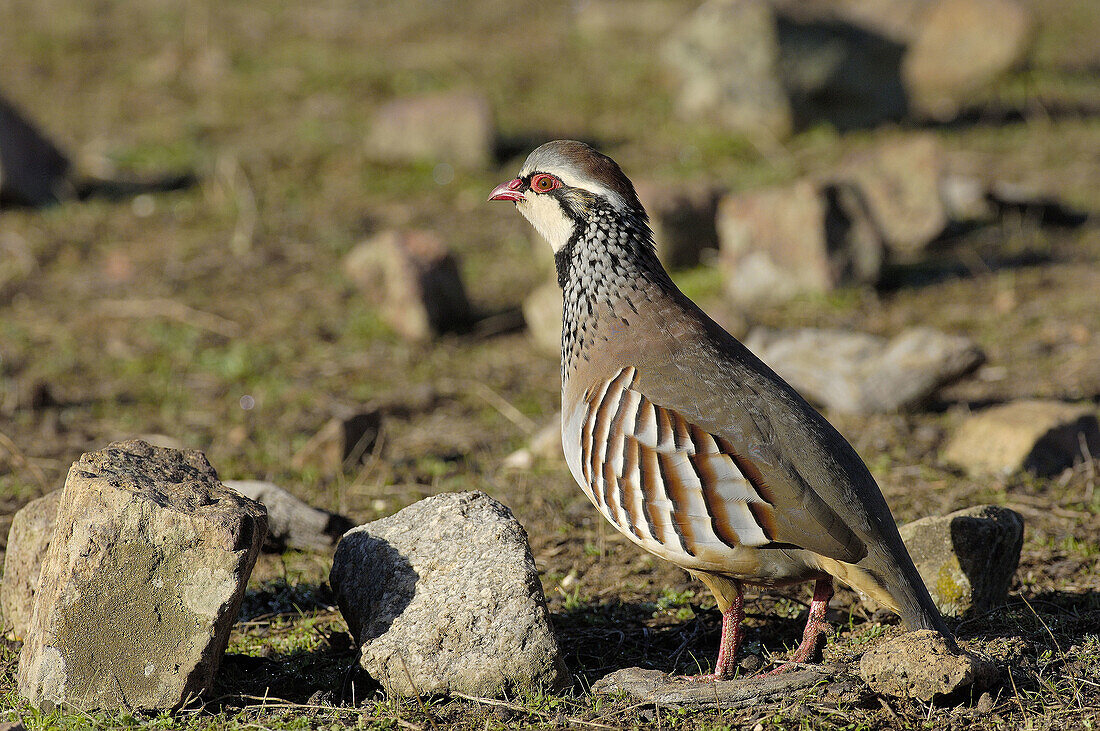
point(546, 215)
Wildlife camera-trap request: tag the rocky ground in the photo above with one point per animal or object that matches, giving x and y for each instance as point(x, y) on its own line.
point(221, 317)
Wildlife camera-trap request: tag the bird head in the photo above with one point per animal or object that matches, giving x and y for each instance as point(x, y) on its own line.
point(562, 184)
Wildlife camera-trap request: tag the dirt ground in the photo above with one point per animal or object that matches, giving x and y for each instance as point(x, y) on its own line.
point(241, 294)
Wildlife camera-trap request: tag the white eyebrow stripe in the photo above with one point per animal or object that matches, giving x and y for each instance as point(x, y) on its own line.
point(578, 181)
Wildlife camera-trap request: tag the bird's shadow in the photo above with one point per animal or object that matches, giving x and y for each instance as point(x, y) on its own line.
point(601, 637)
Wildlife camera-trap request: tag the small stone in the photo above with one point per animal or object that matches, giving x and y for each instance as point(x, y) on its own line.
point(751, 663)
point(683, 220)
point(984, 704)
point(542, 311)
point(967, 558)
point(959, 47)
point(135, 606)
point(449, 127)
point(414, 279)
point(803, 238)
point(343, 443)
point(900, 180)
point(865, 374)
point(292, 523)
point(966, 199)
point(922, 665)
point(33, 172)
point(653, 687)
point(1041, 437)
point(28, 539)
point(12, 726)
point(544, 444)
point(444, 597)
point(725, 58)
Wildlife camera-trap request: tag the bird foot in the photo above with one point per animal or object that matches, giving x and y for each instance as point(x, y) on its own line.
point(789, 665)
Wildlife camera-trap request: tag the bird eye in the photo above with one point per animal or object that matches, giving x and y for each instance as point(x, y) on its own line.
point(544, 183)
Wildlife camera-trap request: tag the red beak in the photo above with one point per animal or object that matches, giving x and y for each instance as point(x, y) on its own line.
point(509, 191)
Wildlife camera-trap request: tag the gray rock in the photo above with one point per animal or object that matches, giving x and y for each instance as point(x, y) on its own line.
point(29, 537)
point(654, 687)
point(454, 128)
point(135, 606)
point(865, 374)
point(444, 597)
point(961, 46)
point(601, 18)
point(292, 523)
point(725, 57)
point(967, 558)
point(763, 69)
point(900, 180)
point(1041, 437)
point(803, 238)
point(542, 310)
point(682, 216)
point(33, 172)
point(922, 665)
point(414, 279)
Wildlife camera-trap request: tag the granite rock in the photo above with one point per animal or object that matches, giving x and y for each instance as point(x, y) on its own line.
point(142, 583)
point(443, 597)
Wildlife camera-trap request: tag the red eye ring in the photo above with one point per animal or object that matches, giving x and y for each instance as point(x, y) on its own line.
point(544, 183)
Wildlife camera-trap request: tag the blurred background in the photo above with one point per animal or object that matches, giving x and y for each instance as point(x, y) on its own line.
point(259, 229)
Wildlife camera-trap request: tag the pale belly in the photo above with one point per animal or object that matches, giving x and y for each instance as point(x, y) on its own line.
point(627, 503)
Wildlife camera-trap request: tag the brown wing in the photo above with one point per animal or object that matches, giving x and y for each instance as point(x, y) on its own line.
point(662, 479)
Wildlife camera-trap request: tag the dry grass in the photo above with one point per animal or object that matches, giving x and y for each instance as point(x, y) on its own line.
point(268, 104)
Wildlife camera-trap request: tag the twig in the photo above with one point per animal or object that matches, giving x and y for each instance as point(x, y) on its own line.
point(171, 310)
point(531, 711)
point(505, 407)
point(19, 459)
point(889, 710)
point(419, 700)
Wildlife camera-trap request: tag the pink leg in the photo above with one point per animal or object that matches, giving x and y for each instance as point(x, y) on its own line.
point(732, 635)
point(815, 623)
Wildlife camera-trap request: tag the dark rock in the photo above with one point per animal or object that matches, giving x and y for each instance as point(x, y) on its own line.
point(134, 608)
point(444, 597)
point(865, 374)
point(967, 558)
point(414, 279)
point(961, 46)
point(343, 443)
point(1041, 437)
point(654, 687)
point(683, 220)
point(922, 665)
point(292, 523)
point(455, 128)
point(28, 539)
point(33, 172)
point(895, 20)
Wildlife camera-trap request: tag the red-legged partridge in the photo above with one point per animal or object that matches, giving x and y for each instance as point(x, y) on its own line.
point(684, 440)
